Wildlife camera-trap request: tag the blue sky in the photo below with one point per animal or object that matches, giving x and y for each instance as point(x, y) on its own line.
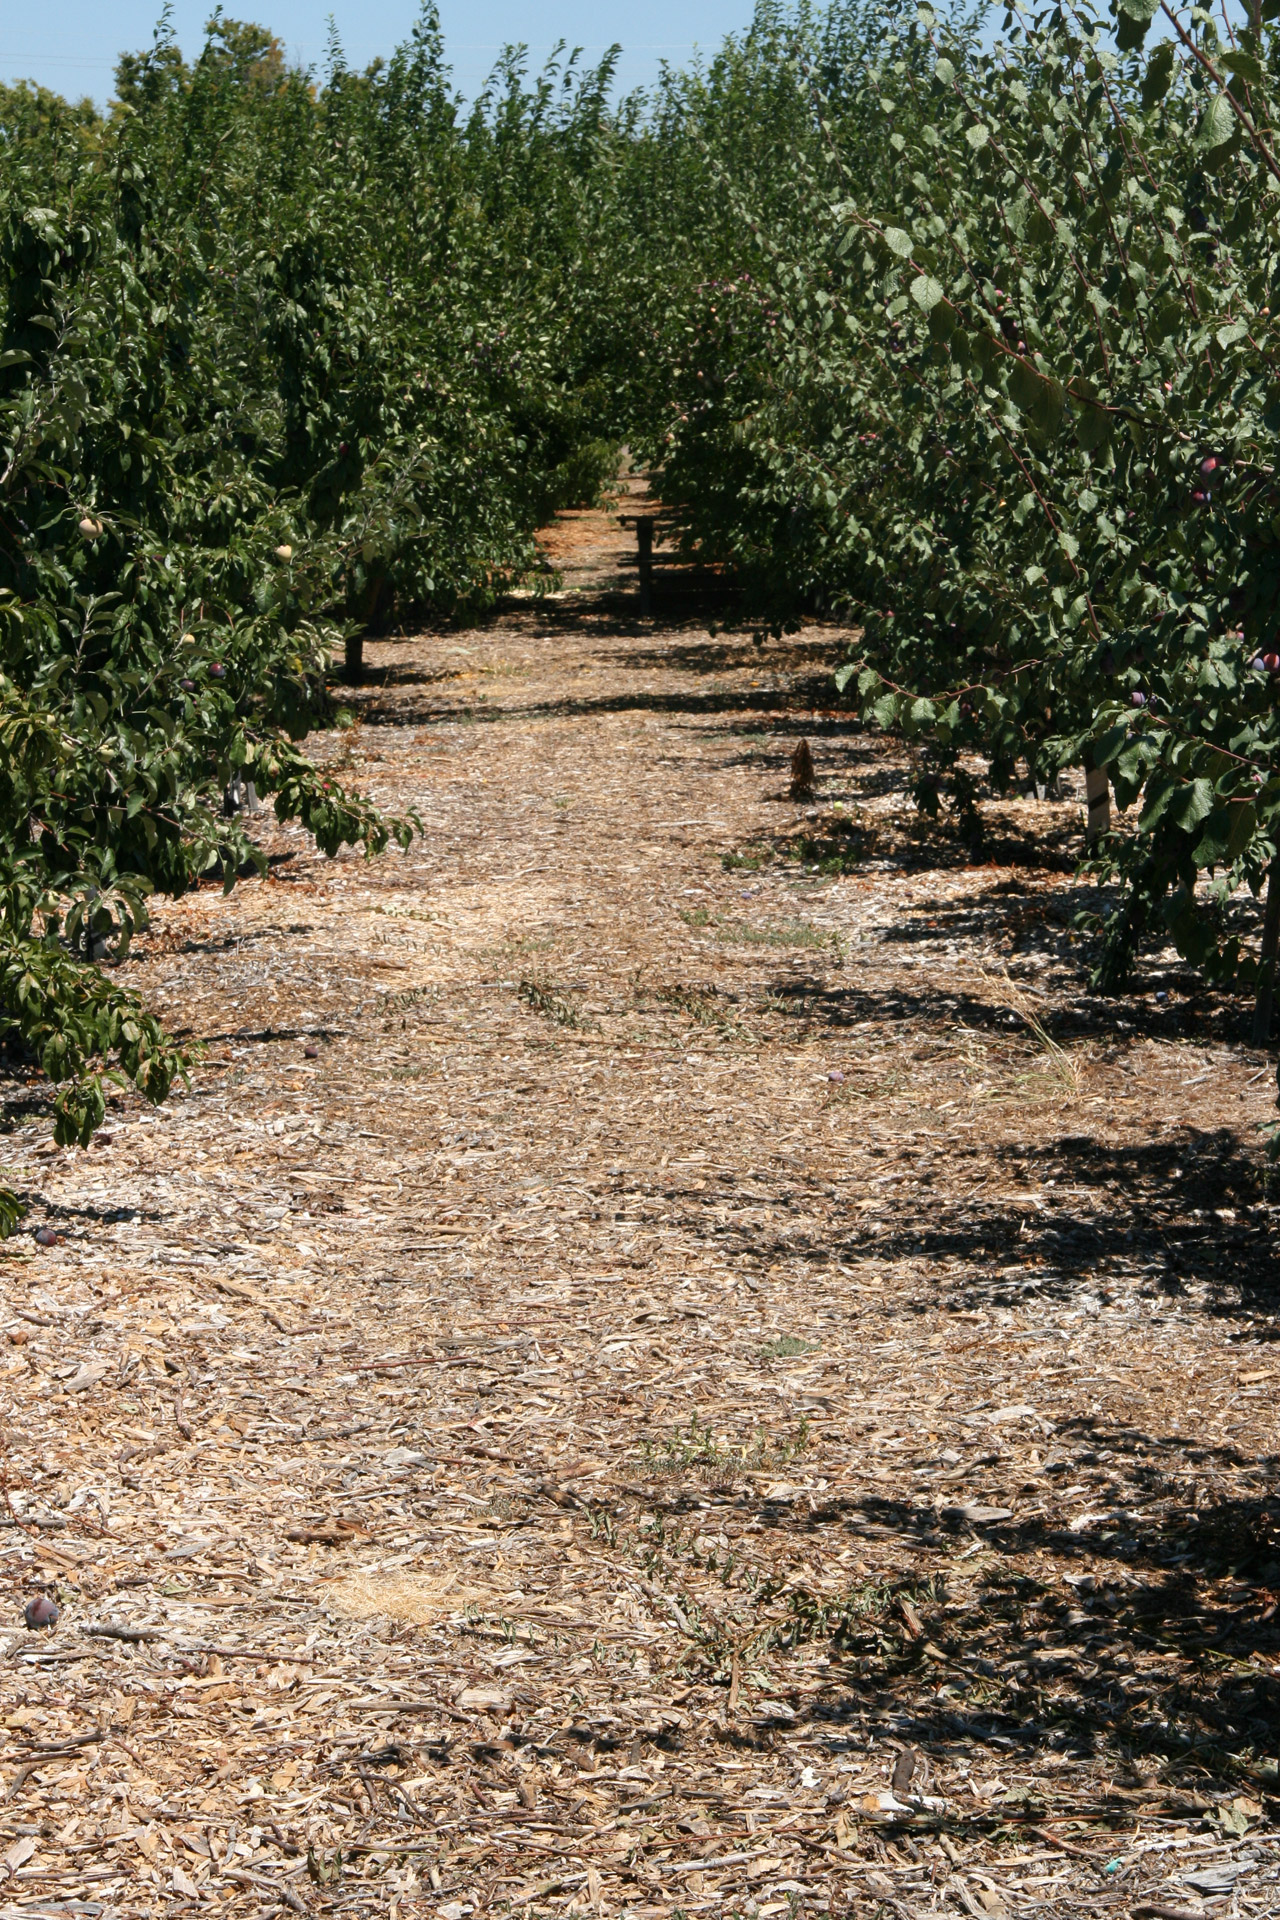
point(72, 45)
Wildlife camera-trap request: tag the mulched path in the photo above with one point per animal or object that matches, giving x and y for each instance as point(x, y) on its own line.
point(670, 1358)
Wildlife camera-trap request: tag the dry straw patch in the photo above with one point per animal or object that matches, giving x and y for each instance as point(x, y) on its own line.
point(1062, 1072)
point(415, 1599)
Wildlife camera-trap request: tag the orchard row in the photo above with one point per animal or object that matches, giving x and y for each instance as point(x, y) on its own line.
point(280, 363)
point(971, 347)
point(988, 365)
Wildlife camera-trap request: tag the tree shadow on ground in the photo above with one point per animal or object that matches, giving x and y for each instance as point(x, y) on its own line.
point(65, 1214)
point(688, 597)
point(606, 611)
point(1006, 910)
point(1191, 1212)
point(144, 948)
point(1136, 1679)
point(1188, 1214)
point(833, 1004)
point(918, 845)
point(17, 1109)
point(408, 713)
point(263, 1036)
point(729, 655)
point(855, 752)
point(1135, 1639)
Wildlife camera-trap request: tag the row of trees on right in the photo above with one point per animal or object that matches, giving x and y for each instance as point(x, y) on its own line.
point(977, 348)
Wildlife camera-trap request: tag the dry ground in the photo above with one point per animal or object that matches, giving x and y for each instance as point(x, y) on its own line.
point(664, 1311)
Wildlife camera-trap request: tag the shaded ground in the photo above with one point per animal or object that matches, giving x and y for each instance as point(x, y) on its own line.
point(663, 1311)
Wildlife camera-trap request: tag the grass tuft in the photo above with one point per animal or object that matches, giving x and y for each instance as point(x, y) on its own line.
point(543, 999)
point(697, 1450)
point(786, 1346)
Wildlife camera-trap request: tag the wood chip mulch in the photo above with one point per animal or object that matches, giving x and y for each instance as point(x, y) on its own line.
point(670, 1359)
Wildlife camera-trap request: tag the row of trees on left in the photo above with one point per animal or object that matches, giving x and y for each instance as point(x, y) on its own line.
point(280, 361)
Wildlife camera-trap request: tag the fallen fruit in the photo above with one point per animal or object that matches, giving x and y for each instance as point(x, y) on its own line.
point(310, 1053)
point(46, 1237)
point(41, 1612)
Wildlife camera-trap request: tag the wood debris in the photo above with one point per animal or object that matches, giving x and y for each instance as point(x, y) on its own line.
point(775, 1416)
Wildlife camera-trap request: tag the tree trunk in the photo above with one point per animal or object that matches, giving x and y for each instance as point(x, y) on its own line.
point(1098, 795)
point(353, 660)
point(1267, 968)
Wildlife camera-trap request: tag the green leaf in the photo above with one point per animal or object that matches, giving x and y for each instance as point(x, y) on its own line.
point(1244, 66)
point(1159, 74)
point(12, 1210)
point(1024, 385)
point(1217, 124)
point(1093, 427)
point(898, 242)
point(1046, 410)
point(1227, 833)
point(1108, 745)
point(1133, 17)
point(926, 292)
point(1243, 827)
point(1191, 804)
point(983, 352)
point(978, 137)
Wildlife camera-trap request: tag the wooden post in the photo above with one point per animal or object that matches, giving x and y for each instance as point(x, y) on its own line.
point(1098, 795)
point(353, 660)
point(644, 543)
point(1267, 967)
point(241, 796)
